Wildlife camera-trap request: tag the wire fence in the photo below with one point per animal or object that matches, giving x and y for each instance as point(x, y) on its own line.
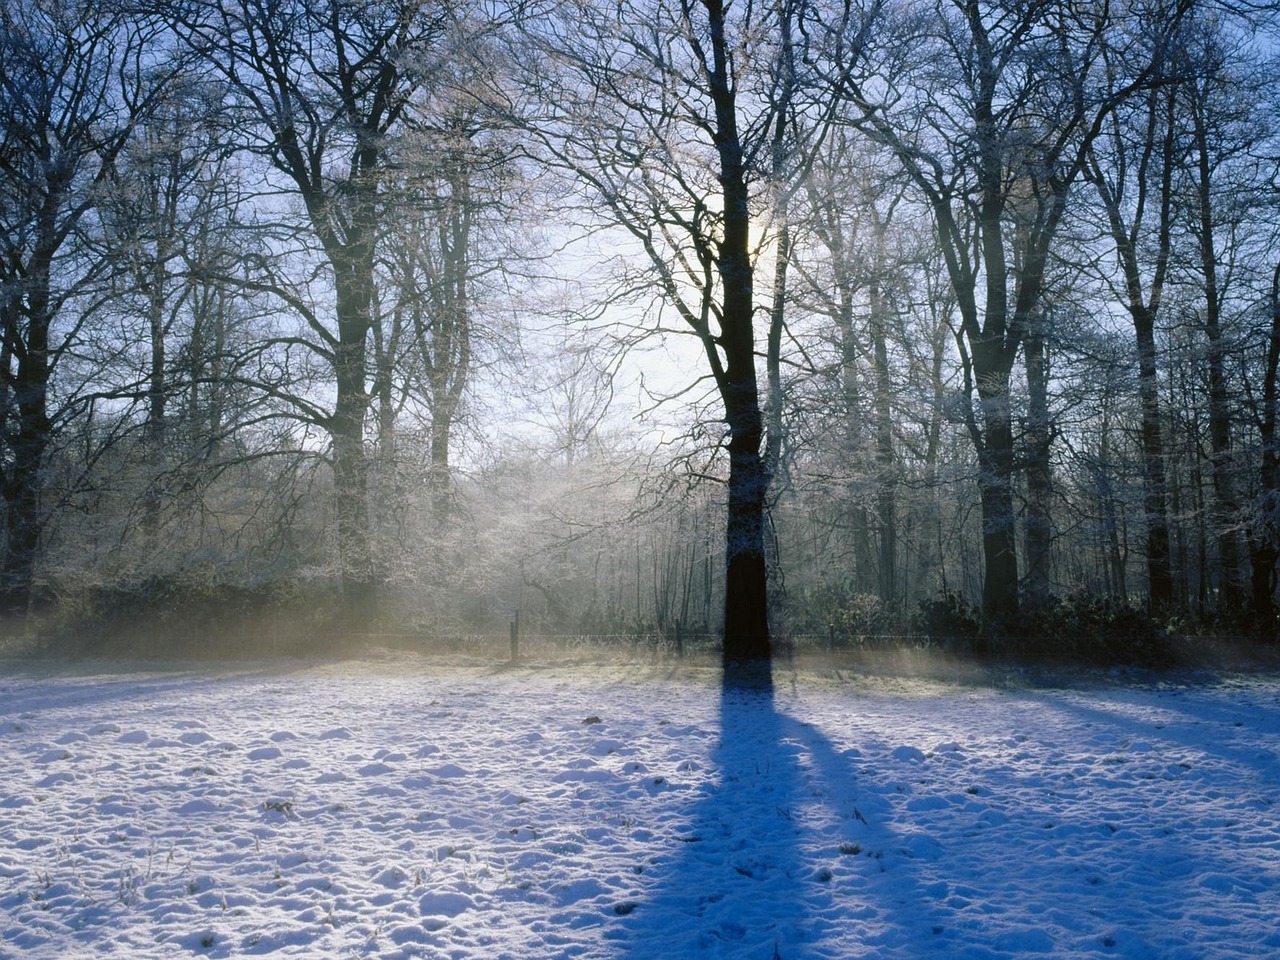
point(669, 644)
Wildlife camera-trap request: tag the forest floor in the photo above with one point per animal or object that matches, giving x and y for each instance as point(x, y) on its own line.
point(404, 806)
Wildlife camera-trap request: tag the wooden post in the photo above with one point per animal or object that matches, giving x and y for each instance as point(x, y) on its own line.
point(679, 640)
point(515, 637)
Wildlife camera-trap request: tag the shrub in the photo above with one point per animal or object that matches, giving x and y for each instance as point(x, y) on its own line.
point(191, 615)
point(950, 622)
point(1093, 630)
point(836, 609)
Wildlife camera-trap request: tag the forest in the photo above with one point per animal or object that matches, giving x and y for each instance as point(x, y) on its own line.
point(825, 323)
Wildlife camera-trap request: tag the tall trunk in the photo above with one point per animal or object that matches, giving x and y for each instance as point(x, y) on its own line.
point(1226, 504)
point(886, 479)
point(350, 463)
point(779, 154)
point(1155, 482)
point(1038, 523)
point(937, 564)
point(993, 354)
point(439, 482)
point(27, 440)
point(1264, 530)
point(1156, 147)
point(853, 418)
point(773, 351)
point(746, 612)
point(26, 421)
point(995, 486)
point(156, 399)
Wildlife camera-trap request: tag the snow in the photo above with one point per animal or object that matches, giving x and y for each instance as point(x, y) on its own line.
point(402, 807)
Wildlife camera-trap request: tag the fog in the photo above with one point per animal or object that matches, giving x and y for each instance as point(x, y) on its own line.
point(758, 332)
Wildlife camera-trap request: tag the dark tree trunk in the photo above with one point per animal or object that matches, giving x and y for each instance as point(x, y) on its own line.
point(350, 461)
point(999, 534)
point(1038, 523)
point(27, 441)
point(1226, 509)
point(1264, 530)
point(23, 504)
point(746, 612)
point(1155, 482)
point(1156, 149)
point(26, 421)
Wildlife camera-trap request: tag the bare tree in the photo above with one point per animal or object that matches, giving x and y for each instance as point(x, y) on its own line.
point(666, 114)
point(318, 91)
point(1132, 168)
point(989, 110)
point(74, 84)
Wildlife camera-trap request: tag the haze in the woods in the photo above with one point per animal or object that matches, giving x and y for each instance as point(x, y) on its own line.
point(794, 322)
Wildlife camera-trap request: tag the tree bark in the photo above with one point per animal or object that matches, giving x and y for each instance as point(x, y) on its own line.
point(1038, 441)
point(886, 479)
point(746, 611)
point(1226, 510)
point(1264, 529)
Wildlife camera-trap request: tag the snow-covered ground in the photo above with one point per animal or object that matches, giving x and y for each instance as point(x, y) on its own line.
point(411, 808)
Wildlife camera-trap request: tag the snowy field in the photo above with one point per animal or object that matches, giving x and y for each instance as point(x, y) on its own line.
point(408, 808)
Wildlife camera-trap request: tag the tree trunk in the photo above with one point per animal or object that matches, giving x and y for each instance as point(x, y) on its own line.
point(746, 615)
point(439, 481)
point(22, 512)
point(746, 611)
point(1038, 523)
point(1155, 483)
point(886, 479)
point(864, 561)
point(1226, 508)
point(995, 486)
point(27, 443)
point(350, 463)
point(1264, 529)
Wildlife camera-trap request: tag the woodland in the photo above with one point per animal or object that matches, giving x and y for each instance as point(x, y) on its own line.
point(763, 325)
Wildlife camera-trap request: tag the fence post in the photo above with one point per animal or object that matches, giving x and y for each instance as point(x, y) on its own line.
point(515, 637)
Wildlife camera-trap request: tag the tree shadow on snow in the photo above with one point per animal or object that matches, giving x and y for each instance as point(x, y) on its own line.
point(755, 870)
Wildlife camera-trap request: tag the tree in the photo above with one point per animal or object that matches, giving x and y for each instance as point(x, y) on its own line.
point(848, 219)
point(665, 113)
point(318, 91)
point(1135, 188)
point(74, 85)
point(989, 110)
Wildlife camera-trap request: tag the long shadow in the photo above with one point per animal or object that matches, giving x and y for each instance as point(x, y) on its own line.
point(48, 689)
point(756, 870)
point(1193, 721)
